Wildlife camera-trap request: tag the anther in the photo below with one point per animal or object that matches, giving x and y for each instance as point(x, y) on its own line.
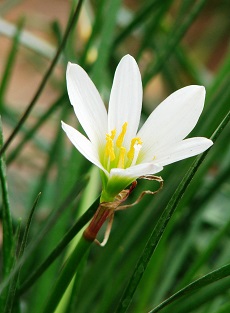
point(134, 141)
point(120, 138)
point(109, 148)
point(113, 134)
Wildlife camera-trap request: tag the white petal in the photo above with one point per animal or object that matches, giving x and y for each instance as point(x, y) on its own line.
point(136, 171)
point(183, 150)
point(173, 119)
point(83, 145)
point(126, 98)
point(87, 103)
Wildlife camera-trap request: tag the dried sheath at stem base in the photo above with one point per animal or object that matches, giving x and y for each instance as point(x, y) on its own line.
point(106, 211)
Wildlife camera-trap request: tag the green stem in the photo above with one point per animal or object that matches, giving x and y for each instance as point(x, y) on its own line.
point(72, 264)
point(69, 270)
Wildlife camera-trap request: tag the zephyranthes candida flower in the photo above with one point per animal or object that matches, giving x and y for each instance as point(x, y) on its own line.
point(114, 144)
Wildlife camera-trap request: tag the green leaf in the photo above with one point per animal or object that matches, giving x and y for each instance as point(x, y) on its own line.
point(81, 222)
point(45, 78)
point(106, 38)
point(173, 41)
point(70, 268)
point(10, 62)
point(13, 284)
point(8, 237)
point(161, 225)
point(32, 131)
point(210, 278)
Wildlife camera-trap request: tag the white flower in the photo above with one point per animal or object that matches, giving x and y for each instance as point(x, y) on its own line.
point(114, 143)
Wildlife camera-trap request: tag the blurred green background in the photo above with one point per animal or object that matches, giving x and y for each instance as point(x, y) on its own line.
point(176, 43)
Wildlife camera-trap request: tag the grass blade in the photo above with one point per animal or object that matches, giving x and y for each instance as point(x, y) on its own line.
point(10, 63)
point(13, 286)
point(161, 225)
point(173, 41)
point(6, 216)
point(81, 222)
point(210, 278)
point(8, 237)
point(32, 131)
point(105, 41)
point(45, 78)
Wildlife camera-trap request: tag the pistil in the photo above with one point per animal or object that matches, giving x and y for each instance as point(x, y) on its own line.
point(121, 158)
point(134, 141)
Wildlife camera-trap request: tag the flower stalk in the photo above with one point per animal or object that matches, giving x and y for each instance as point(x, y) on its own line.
point(69, 269)
point(105, 212)
point(102, 213)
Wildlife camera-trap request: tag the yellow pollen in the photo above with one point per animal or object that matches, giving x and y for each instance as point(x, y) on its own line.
point(121, 160)
point(113, 134)
point(120, 138)
point(109, 148)
point(135, 140)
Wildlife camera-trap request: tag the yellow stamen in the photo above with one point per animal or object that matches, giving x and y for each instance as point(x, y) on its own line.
point(120, 138)
point(109, 148)
point(113, 134)
point(135, 140)
point(121, 160)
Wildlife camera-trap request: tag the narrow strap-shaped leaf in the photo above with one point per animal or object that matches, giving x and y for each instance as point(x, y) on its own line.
point(51, 220)
point(74, 297)
point(31, 132)
point(153, 26)
point(140, 16)
point(10, 62)
point(6, 216)
point(28, 224)
point(81, 222)
point(45, 78)
point(205, 255)
point(70, 268)
point(173, 41)
point(12, 290)
point(105, 41)
point(8, 237)
point(210, 278)
point(162, 223)
point(225, 308)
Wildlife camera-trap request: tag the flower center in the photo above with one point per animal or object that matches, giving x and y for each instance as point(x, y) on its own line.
point(116, 155)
